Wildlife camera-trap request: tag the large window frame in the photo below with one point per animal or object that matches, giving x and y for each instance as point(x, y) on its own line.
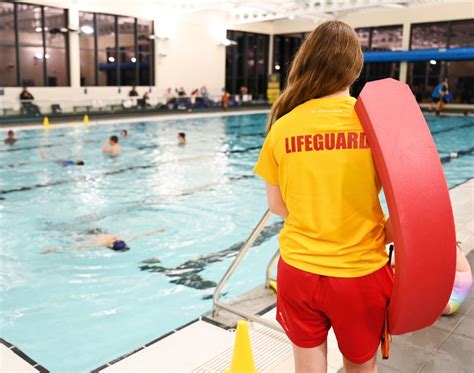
point(253, 47)
point(116, 53)
point(423, 76)
point(449, 33)
point(44, 56)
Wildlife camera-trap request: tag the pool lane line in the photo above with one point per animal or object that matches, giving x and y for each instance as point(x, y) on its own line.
point(116, 172)
point(188, 273)
point(456, 155)
point(454, 128)
point(443, 160)
point(135, 119)
point(32, 147)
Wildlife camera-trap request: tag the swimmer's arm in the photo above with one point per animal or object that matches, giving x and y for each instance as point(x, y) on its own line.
point(275, 200)
point(145, 234)
point(43, 155)
point(70, 248)
point(107, 149)
point(388, 231)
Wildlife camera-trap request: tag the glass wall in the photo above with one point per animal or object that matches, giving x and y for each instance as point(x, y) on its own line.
point(423, 76)
point(284, 49)
point(33, 45)
point(8, 61)
point(386, 38)
point(115, 50)
point(247, 63)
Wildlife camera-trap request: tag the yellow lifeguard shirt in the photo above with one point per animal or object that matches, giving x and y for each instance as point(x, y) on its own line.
point(319, 157)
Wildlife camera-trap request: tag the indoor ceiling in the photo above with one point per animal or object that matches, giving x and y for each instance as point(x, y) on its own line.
point(241, 11)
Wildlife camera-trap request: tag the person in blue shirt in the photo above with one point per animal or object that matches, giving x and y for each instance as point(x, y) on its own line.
point(441, 95)
point(61, 162)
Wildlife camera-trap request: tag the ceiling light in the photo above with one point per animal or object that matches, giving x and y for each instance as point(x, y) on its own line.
point(86, 29)
point(433, 62)
point(38, 29)
point(277, 67)
point(39, 55)
point(133, 59)
point(228, 42)
point(111, 59)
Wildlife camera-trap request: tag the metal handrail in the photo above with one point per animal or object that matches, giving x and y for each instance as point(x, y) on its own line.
point(217, 304)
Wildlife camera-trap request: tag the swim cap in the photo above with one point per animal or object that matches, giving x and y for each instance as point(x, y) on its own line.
point(120, 245)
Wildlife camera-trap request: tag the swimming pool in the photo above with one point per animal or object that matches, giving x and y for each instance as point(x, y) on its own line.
point(74, 311)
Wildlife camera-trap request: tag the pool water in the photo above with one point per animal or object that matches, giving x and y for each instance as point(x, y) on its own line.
point(74, 311)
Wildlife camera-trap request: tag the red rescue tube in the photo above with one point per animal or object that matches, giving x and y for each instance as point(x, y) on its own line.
point(418, 201)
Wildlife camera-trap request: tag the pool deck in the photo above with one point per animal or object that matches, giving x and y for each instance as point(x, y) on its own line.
point(206, 345)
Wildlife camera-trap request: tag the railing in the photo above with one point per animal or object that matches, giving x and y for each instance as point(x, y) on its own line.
point(218, 304)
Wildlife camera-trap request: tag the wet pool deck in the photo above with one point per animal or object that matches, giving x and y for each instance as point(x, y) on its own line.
point(204, 345)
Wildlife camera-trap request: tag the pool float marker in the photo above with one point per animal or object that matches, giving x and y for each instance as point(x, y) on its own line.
point(46, 122)
point(418, 201)
point(86, 120)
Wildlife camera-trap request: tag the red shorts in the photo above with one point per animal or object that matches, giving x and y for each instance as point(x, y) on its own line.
point(309, 304)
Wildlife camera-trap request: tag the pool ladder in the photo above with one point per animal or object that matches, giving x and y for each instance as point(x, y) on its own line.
point(219, 305)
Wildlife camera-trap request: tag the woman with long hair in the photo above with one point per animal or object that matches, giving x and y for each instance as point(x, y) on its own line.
point(321, 178)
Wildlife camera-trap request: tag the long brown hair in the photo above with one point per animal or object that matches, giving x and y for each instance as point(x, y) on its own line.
point(329, 60)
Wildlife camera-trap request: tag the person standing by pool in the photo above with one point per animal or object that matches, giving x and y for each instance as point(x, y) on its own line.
point(11, 138)
point(440, 95)
point(333, 270)
point(112, 146)
point(61, 162)
point(104, 241)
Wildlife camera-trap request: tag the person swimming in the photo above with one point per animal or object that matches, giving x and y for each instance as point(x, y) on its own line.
point(112, 147)
point(104, 241)
point(11, 138)
point(181, 138)
point(61, 162)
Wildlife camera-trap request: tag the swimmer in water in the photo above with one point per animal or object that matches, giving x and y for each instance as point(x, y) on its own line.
point(124, 133)
point(112, 146)
point(10, 139)
point(181, 138)
point(61, 162)
point(104, 241)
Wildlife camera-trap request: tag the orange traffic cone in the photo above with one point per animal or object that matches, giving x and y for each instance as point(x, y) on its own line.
point(242, 358)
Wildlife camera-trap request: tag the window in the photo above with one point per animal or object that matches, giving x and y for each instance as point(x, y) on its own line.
point(56, 47)
point(429, 36)
point(247, 63)
point(8, 62)
point(33, 46)
point(385, 38)
point(87, 49)
point(364, 36)
point(115, 50)
point(106, 50)
point(145, 52)
point(284, 49)
point(425, 75)
point(462, 34)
